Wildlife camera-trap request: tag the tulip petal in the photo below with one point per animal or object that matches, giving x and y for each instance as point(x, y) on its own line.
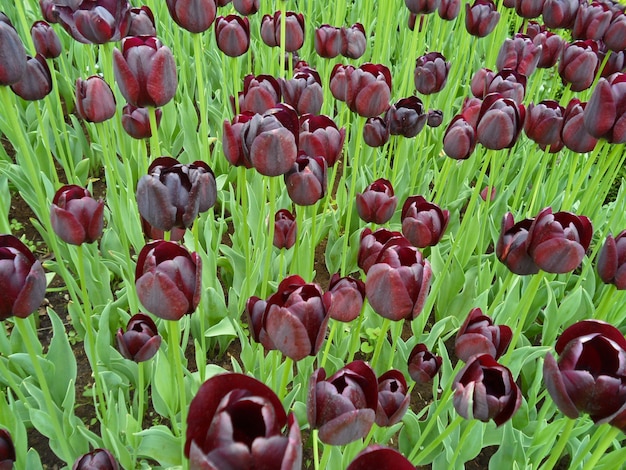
point(288, 333)
point(348, 427)
point(162, 80)
point(386, 292)
point(161, 296)
point(558, 255)
point(32, 293)
point(125, 79)
point(66, 226)
point(556, 387)
point(600, 111)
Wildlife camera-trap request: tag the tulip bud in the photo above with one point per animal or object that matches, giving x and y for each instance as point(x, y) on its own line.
point(509, 84)
point(196, 16)
point(578, 64)
point(232, 34)
point(97, 459)
point(431, 73)
point(605, 115)
point(75, 216)
point(260, 93)
point(592, 21)
point(328, 41)
point(615, 36)
point(353, 41)
point(294, 30)
point(95, 22)
point(304, 91)
point(481, 17)
point(423, 365)
point(611, 264)
point(459, 139)
point(36, 83)
point(46, 41)
point(285, 229)
point(393, 398)
point(511, 246)
point(306, 180)
point(141, 340)
point(94, 99)
point(377, 202)
point(480, 82)
point(347, 295)
point(372, 243)
point(136, 121)
point(319, 135)
point(551, 48)
point(231, 140)
point(487, 194)
point(449, 9)
point(500, 122)
point(574, 134)
point(478, 335)
point(339, 79)
point(544, 123)
point(519, 54)
point(7, 450)
point(560, 13)
point(369, 89)
point(375, 132)
point(406, 117)
point(423, 222)
point(529, 8)
point(142, 22)
point(435, 118)
point(13, 58)
point(246, 7)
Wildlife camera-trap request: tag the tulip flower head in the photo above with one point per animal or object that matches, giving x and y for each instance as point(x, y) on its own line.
point(285, 229)
point(94, 21)
point(605, 114)
point(246, 7)
point(141, 22)
point(347, 295)
point(423, 364)
point(100, 459)
point(574, 133)
point(319, 135)
point(500, 122)
point(578, 64)
point(478, 335)
point(511, 246)
point(423, 222)
point(196, 16)
point(544, 124)
point(328, 41)
point(232, 34)
point(375, 132)
point(294, 30)
point(560, 13)
point(45, 39)
point(368, 90)
point(377, 202)
point(611, 264)
point(36, 82)
point(231, 140)
point(304, 91)
point(95, 101)
point(407, 117)
point(431, 73)
point(422, 7)
point(393, 398)
point(136, 121)
point(375, 456)
point(353, 41)
point(481, 17)
point(141, 340)
point(76, 217)
point(13, 59)
point(260, 94)
point(306, 181)
point(372, 243)
point(255, 315)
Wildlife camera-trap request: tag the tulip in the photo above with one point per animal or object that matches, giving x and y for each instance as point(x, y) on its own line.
point(511, 246)
point(615, 36)
point(509, 84)
point(422, 7)
point(246, 7)
point(589, 375)
point(172, 194)
point(377, 202)
point(529, 8)
point(339, 80)
point(406, 117)
point(231, 140)
point(544, 124)
point(260, 93)
point(500, 122)
point(478, 335)
point(232, 34)
point(423, 365)
point(45, 39)
point(167, 279)
point(319, 135)
point(145, 71)
point(94, 21)
point(255, 315)
point(36, 82)
point(141, 340)
point(611, 263)
point(423, 222)
point(574, 134)
point(372, 243)
point(294, 30)
point(369, 89)
point(328, 41)
point(592, 21)
point(13, 56)
point(353, 41)
point(141, 22)
point(47, 10)
point(486, 194)
point(343, 407)
point(481, 17)
point(393, 398)
point(375, 132)
point(435, 118)
point(75, 216)
point(304, 91)
point(236, 422)
point(449, 9)
point(560, 13)
point(285, 229)
point(94, 99)
point(459, 139)
point(296, 318)
point(578, 64)
point(480, 82)
point(431, 73)
point(375, 456)
point(306, 181)
point(196, 16)
point(519, 54)
point(22, 278)
point(398, 283)
point(136, 121)
point(551, 48)
point(346, 297)
point(7, 450)
point(97, 459)
point(605, 114)
point(614, 61)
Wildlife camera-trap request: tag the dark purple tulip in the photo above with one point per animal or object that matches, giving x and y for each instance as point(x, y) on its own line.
point(615, 61)
point(435, 118)
point(255, 315)
point(328, 41)
point(36, 82)
point(485, 390)
point(557, 242)
point(296, 318)
point(97, 459)
point(486, 194)
point(172, 194)
point(339, 79)
point(153, 233)
point(574, 134)
point(544, 123)
point(236, 422)
point(94, 21)
point(343, 407)
point(142, 22)
point(375, 456)
point(353, 41)
point(141, 340)
point(294, 30)
point(459, 139)
point(560, 13)
point(231, 140)
point(377, 202)
point(369, 90)
point(47, 10)
point(611, 264)
point(22, 278)
point(167, 279)
point(346, 297)
point(529, 8)
point(270, 141)
point(423, 364)
point(7, 450)
point(319, 135)
point(393, 398)
point(285, 229)
point(423, 222)
point(196, 16)
point(304, 91)
point(422, 7)
point(471, 109)
point(136, 121)
point(589, 376)
point(615, 36)
point(246, 7)
point(398, 283)
point(480, 82)
point(519, 54)
point(232, 34)
point(12, 55)
point(500, 122)
point(407, 117)
point(94, 99)
point(260, 93)
point(306, 180)
point(605, 114)
point(511, 246)
point(76, 217)
point(481, 17)
point(578, 64)
point(375, 132)
point(46, 41)
point(478, 335)
point(372, 243)
point(145, 71)
point(431, 73)
point(551, 48)
point(449, 9)
point(509, 84)
point(592, 20)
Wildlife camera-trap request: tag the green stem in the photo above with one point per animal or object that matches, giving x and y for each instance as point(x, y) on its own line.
point(269, 246)
point(437, 441)
point(202, 103)
point(603, 445)
point(316, 451)
point(556, 452)
point(173, 347)
point(329, 341)
point(380, 340)
point(282, 391)
point(155, 147)
point(355, 337)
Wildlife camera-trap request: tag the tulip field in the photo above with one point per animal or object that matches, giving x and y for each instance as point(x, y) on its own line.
point(281, 234)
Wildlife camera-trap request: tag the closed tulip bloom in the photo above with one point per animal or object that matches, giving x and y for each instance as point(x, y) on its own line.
point(435, 118)
point(578, 64)
point(346, 297)
point(605, 114)
point(611, 264)
point(12, 55)
point(485, 390)
point(478, 335)
point(574, 134)
point(375, 132)
point(511, 246)
point(94, 22)
point(328, 41)
point(377, 202)
point(231, 140)
point(294, 30)
point(167, 279)
point(431, 73)
point(509, 84)
point(500, 122)
point(560, 13)
point(172, 194)
point(75, 216)
point(45, 39)
point(260, 93)
point(519, 54)
point(141, 340)
point(544, 123)
point(592, 21)
point(136, 121)
point(246, 7)
point(615, 61)
point(423, 364)
point(94, 99)
point(529, 8)
point(589, 375)
point(369, 90)
point(304, 91)
point(407, 117)
point(145, 71)
point(481, 17)
point(449, 9)
point(232, 34)
point(393, 398)
point(372, 243)
point(422, 7)
point(255, 315)
point(615, 35)
point(339, 80)
point(97, 459)
point(423, 222)
point(306, 180)
point(459, 139)
point(551, 48)
point(196, 16)
point(343, 406)
point(375, 456)
point(319, 135)
point(353, 41)
point(236, 422)
point(141, 22)
point(47, 11)
point(285, 229)
point(36, 83)
point(7, 450)
point(480, 82)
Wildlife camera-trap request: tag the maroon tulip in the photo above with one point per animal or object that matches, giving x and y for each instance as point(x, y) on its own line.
point(560, 13)
point(574, 134)
point(94, 99)
point(172, 194)
point(459, 139)
point(478, 335)
point(509, 84)
point(481, 17)
point(346, 297)
point(480, 82)
point(431, 73)
point(605, 114)
point(578, 64)
point(511, 246)
point(255, 315)
point(393, 398)
point(423, 365)
point(232, 34)
point(13, 58)
point(294, 30)
point(145, 71)
point(141, 340)
point(246, 7)
point(285, 229)
point(319, 135)
point(236, 422)
point(377, 202)
point(343, 407)
point(328, 41)
point(368, 90)
point(435, 118)
point(304, 91)
point(500, 122)
point(611, 263)
point(544, 123)
point(231, 140)
point(449, 9)
point(36, 82)
point(47, 10)
point(485, 390)
point(196, 16)
point(589, 376)
point(487, 194)
point(167, 279)
point(95, 21)
point(615, 61)
point(375, 456)
point(529, 8)
point(339, 79)
point(260, 93)
point(306, 180)
point(353, 41)
point(7, 450)
point(519, 54)
point(407, 117)
point(136, 121)
point(45, 39)
point(141, 22)
point(423, 222)
point(372, 243)
point(422, 7)
point(75, 216)
point(592, 20)
point(615, 36)
point(97, 459)
point(375, 132)
point(551, 48)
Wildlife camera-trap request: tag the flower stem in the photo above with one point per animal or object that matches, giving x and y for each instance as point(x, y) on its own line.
point(557, 450)
point(380, 341)
point(282, 391)
point(155, 147)
point(602, 447)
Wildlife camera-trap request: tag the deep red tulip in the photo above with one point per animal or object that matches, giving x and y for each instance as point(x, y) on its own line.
point(339, 80)
point(36, 82)
point(196, 16)
point(375, 132)
point(255, 315)
point(94, 99)
point(615, 36)
point(47, 10)
point(13, 58)
point(306, 181)
point(459, 139)
point(328, 41)
point(232, 34)
point(480, 81)
point(76, 217)
point(578, 64)
point(260, 93)
point(423, 222)
point(605, 114)
point(94, 21)
point(294, 30)
point(285, 229)
point(615, 61)
point(372, 243)
point(486, 194)
point(45, 39)
point(142, 22)
point(97, 459)
point(449, 9)
point(431, 73)
point(478, 335)
point(574, 134)
point(529, 8)
point(246, 7)
point(377, 202)
point(509, 84)
point(7, 450)
point(353, 41)
point(304, 91)
point(393, 398)
point(511, 246)
point(592, 20)
point(435, 118)
point(375, 456)
point(319, 135)
point(500, 122)
point(141, 340)
point(558, 14)
point(231, 140)
point(422, 7)
point(136, 121)
point(369, 90)
point(611, 264)
point(423, 364)
point(407, 117)
point(481, 17)
point(544, 124)
point(519, 54)
point(551, 48)
point(346, 297)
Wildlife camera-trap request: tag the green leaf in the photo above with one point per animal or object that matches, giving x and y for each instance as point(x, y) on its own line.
point(60, 353)
point(160, 444)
